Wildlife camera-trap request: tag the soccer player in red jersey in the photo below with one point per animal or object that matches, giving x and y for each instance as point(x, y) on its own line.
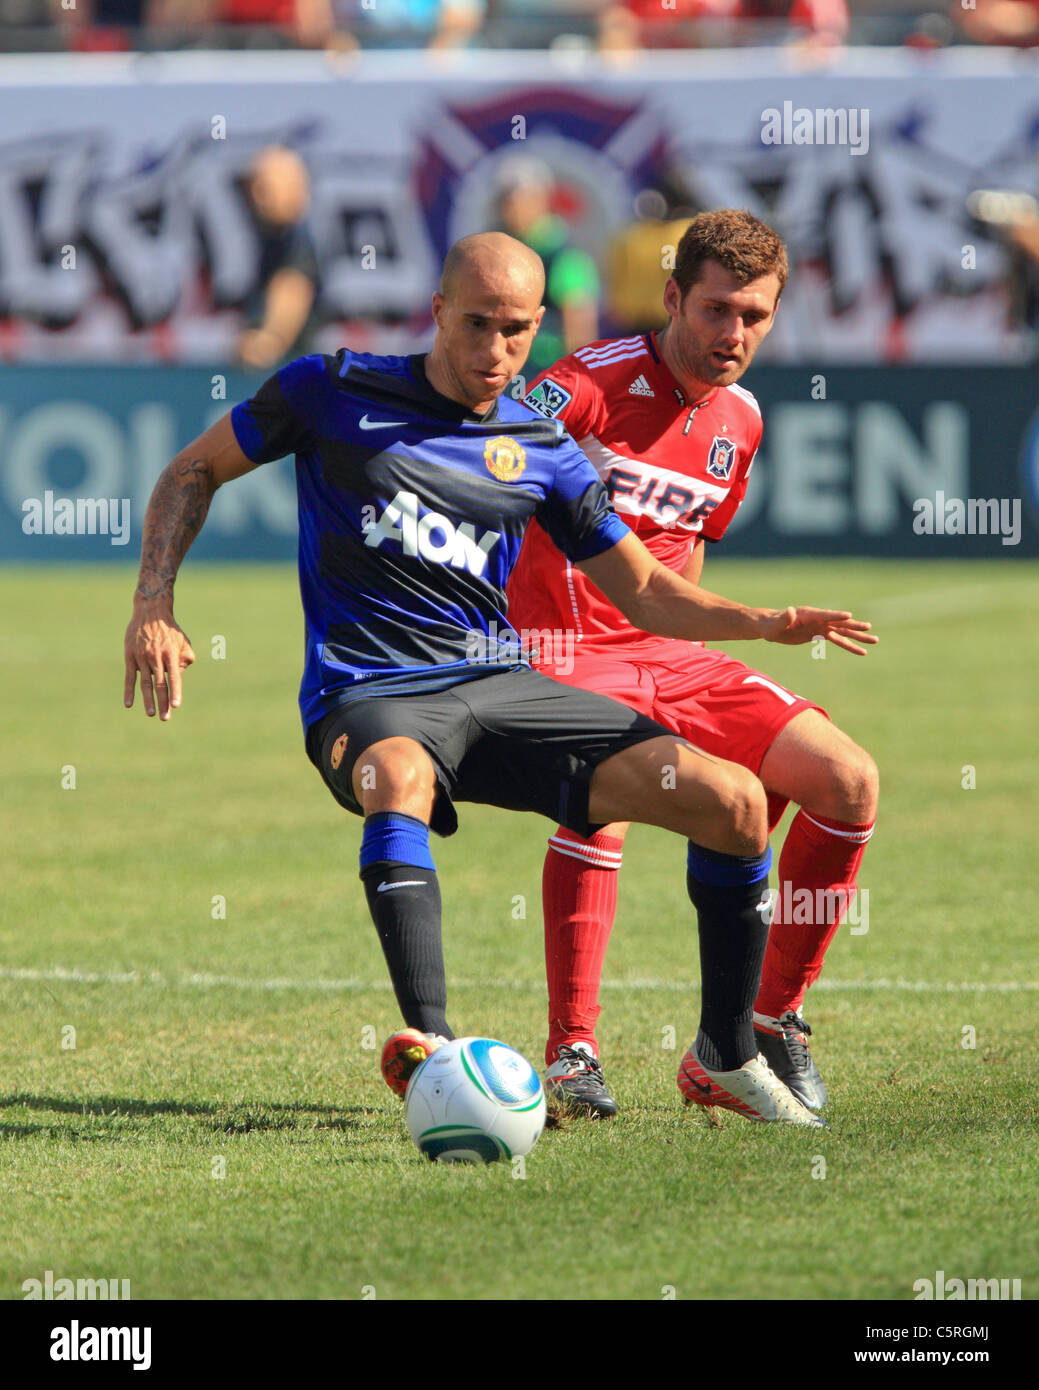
point(673, 437)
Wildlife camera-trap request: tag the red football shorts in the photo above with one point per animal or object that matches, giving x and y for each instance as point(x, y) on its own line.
point(724, 707)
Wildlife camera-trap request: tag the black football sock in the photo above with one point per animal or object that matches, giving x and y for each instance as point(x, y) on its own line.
point(407, 918)
point(400, 882)
point(731, 897)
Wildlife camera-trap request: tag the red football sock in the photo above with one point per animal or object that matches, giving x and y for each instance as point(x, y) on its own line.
point(821, 856)
point(579, 895)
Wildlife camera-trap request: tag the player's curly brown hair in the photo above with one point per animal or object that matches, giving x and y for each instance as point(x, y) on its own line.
point(737, 240)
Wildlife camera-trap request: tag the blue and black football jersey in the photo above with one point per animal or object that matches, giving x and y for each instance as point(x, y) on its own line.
point(411, 516)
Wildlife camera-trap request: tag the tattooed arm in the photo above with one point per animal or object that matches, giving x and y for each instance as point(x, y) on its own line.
point(155, 647)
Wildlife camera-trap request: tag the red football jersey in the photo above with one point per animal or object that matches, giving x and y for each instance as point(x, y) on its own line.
point(674, 472)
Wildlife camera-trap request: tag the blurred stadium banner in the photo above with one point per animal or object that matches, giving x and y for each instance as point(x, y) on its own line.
point(917, 462)
point(124, 233)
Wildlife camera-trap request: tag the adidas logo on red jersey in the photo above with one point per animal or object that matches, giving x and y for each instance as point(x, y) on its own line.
point(640, 387)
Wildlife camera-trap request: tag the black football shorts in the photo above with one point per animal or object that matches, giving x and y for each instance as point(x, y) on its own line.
point(514, 739)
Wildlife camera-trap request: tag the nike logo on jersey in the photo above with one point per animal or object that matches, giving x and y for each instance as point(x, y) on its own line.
point(367, 424)
point(433, 536)
point(404, 883)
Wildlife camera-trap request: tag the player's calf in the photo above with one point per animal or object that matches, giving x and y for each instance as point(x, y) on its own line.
point(403, 892)
point(734, 907)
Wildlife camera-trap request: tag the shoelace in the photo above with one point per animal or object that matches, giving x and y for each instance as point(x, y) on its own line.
point(795, 1033)
point(579, 1061)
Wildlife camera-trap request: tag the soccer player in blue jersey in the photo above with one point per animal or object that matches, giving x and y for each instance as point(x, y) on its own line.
point(416, 479)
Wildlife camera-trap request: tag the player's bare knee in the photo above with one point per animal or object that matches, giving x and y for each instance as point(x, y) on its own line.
point(869, 789)
point(740, 820)
point(750, 814)
point(394, 774)
point(858, 781)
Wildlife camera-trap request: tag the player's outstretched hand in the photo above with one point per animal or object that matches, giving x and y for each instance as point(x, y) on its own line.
point(795, 626)
point(158, 650)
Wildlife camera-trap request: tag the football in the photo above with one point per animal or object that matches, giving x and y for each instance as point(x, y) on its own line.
point(475, 1100)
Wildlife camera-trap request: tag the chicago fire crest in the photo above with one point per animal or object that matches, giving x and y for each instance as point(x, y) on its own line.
point(721, 458)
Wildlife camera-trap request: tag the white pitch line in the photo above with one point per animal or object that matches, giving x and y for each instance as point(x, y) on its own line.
point(63, 975)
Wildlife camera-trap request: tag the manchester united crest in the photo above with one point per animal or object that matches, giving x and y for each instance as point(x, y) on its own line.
point(505, 458)
point(338, 749)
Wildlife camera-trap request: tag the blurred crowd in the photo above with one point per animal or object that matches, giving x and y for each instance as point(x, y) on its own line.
point(614, 288)
point(597, 285)
point(614, 27)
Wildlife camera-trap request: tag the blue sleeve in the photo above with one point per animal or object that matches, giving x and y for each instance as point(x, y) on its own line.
point(280, 418)
point(578, 513)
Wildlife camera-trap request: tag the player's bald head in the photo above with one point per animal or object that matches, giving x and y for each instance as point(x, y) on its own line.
point(492, 261)
point(487, 311)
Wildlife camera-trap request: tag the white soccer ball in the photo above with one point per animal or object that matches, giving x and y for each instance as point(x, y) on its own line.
point(475, 1100)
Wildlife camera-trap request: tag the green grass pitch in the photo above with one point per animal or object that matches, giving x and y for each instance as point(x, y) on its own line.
point(188, 915)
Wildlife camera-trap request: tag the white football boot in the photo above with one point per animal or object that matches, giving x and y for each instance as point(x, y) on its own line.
point(752, 1090)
